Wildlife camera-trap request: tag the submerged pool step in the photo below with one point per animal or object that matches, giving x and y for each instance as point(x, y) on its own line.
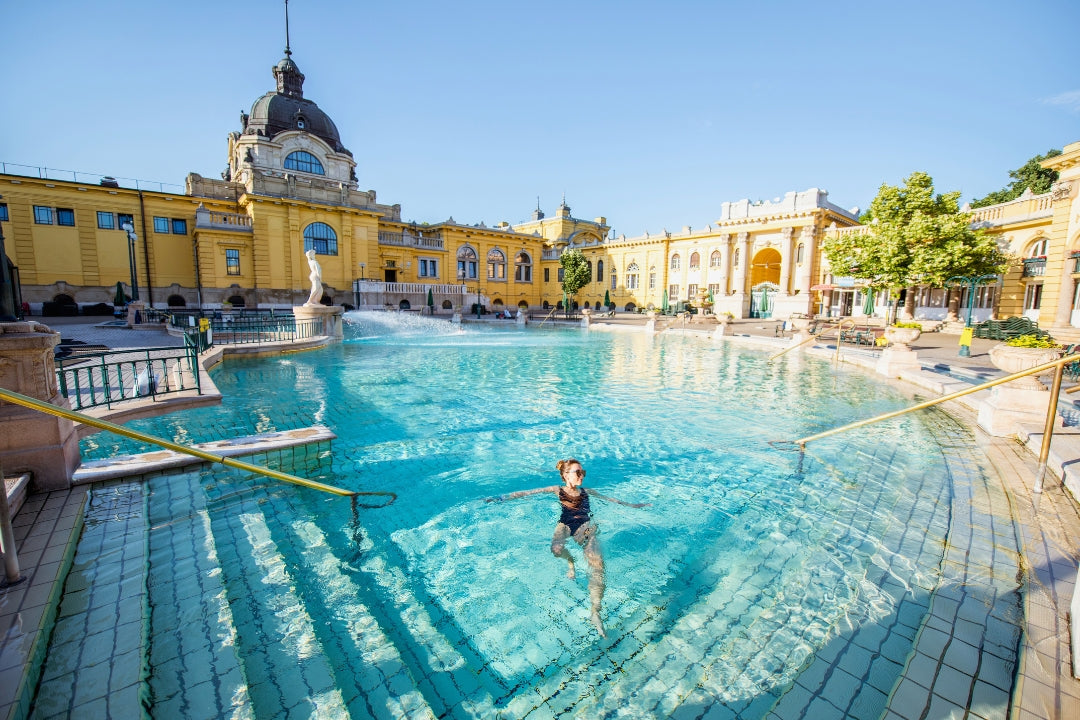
point(195, 669)
point(276, 638)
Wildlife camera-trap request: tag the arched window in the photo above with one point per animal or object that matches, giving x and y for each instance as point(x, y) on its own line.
point(695, 261)
point(715, 259)
point(676, 262)
point(496, 264)
point(599, 271)
point(1038, 248)
point(466, 263)
point(321, 238)
point(632, 277)
point(237, 300)
point(177, 301)
point(523, 267)
point(304, 162)
point(800, 251)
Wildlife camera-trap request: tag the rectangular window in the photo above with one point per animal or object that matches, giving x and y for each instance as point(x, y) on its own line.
point(547, 274)
point(3, 212)
point(614, 280)
point(122, 219)
point(179, 227)
point(232, 262)
point(562, 273)
point(43, 215)
point(714, 288)
point(65, 217)
point(673, 292)
point(691, 292)
point(429, 268)
point(652, 281)
point(161, 225)
point(106, 220)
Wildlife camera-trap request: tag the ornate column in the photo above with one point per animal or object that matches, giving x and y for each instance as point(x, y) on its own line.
point(786, 260)
point(804, 272)
point(725, 264)
point(742, 247)
point(46, 446)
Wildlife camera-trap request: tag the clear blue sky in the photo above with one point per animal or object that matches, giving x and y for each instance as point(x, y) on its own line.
point(649, 113)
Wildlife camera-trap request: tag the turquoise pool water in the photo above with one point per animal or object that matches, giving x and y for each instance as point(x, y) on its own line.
point(753, 569)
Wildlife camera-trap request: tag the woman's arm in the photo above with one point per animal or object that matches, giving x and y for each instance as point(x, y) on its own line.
point(522, 493)
point(593, 493)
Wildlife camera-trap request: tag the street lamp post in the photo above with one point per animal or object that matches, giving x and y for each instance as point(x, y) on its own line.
point(130, 230)
point(971, 283)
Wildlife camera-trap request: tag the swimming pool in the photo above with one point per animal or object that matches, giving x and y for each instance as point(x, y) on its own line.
point(757, 581)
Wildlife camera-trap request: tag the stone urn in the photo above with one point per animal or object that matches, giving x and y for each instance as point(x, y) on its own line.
point(800, 324)
point(901, 336)
point(1017, 359)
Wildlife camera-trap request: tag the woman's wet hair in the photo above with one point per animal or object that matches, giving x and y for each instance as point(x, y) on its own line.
point(567, 462)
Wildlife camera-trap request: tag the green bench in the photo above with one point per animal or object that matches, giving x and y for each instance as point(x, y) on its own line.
point(1010, 328)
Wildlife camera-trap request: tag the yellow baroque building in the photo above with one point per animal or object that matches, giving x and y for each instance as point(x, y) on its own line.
point(290, 185)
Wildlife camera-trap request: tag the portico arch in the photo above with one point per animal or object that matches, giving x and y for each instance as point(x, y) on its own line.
point(765, 267)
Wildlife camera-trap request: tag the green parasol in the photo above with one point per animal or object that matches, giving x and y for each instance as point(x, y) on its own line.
point(763, 308)
point(430, 299)
point(868, 305)
point(664, 307)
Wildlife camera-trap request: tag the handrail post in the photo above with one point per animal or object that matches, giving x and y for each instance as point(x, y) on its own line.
point(1048, 427)
point(7, 536)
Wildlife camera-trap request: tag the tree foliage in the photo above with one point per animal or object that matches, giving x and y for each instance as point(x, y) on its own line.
point(1030, 175)
point(915, 238)
point(576, 272)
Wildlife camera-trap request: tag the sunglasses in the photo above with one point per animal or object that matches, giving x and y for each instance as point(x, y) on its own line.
point(579, 472)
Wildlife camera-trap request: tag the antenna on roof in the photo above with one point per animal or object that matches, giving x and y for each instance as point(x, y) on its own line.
point(288, 52)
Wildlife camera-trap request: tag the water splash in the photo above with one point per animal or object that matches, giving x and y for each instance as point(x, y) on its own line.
point(362, 324)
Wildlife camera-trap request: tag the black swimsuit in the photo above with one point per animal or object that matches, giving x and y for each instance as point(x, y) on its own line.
point(575, 510)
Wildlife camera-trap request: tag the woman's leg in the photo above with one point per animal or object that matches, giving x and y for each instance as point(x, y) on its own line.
point(586, 537)
point(558, 547)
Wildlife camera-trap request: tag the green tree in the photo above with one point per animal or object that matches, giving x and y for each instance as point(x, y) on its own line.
point(1030, 175)
point(915, 238)
point(576, 274)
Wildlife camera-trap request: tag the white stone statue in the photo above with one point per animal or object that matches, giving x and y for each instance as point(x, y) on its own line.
point(315, 298)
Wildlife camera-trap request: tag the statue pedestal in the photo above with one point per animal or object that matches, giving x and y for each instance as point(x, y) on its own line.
point(897, 358)
point(521, 318)
point(330, 316)
point(136, 313)
point(586, 318)
point(1008, 407)
point(31, 441)
point(456, 317)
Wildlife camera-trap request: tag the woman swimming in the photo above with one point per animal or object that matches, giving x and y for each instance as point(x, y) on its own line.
point(576, 521)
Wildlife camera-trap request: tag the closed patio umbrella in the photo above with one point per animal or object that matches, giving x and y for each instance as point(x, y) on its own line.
point(763, 308)
point(664, 307)
point(430, 299)
point(868, 305)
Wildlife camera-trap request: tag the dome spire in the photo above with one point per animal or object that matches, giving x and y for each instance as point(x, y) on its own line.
point(288, 52)
point(290, 81)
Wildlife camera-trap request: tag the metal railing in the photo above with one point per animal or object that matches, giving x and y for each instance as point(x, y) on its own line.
point(249, 331)
point(1034, 267)
point(49, 409)
point(106, 378)
point(1048, 427)
point(838, 326)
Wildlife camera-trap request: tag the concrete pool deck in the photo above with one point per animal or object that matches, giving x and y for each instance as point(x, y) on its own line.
point(49, 525)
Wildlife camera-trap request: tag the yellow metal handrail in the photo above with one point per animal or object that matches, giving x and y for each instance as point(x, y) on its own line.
point(42, 406)
point(1048, 428)
point(813, 336)
point(553, 311)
